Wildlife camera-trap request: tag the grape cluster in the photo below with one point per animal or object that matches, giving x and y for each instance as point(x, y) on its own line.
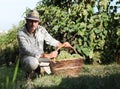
point(64, 55)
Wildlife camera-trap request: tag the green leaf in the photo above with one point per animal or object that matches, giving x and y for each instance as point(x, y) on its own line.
point(90, 26)
point(97, 31)
point(86, 51)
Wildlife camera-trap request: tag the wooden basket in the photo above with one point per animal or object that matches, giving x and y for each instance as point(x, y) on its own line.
point(69, 67)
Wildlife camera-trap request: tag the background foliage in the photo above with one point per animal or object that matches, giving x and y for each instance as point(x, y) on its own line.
point(95, 35)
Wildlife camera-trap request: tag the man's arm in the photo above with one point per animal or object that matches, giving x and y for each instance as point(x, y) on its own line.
point(65, 44)
point(55, 53)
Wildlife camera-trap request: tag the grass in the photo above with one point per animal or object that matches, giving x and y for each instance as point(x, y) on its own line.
point(90, 77)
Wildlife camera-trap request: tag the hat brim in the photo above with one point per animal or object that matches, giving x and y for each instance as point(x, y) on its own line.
point(32, 18)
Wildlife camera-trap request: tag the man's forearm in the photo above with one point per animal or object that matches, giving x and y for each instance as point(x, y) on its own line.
point(45, 55)
point(59, 44)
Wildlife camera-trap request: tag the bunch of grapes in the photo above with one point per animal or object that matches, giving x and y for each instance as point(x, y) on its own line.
point(64, 55)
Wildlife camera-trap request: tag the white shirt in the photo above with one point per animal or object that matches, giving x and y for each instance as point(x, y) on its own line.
point(32, 45)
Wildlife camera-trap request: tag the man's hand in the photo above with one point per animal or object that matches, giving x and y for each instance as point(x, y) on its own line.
point(54, 54)
point(51, 55)
point(67, 44)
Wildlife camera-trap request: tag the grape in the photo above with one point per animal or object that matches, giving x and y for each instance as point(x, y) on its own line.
point(75, 55)
point(64, 55)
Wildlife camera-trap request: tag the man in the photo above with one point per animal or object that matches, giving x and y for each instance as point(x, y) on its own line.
point(31, 42)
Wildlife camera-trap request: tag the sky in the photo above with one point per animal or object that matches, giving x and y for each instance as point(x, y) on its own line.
point(111, 4)
point(11, 12)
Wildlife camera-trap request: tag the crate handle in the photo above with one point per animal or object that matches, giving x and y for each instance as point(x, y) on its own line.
point(69, 47)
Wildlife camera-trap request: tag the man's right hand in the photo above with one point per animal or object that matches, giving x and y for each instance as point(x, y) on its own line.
point(51, 55)
point(54, 54)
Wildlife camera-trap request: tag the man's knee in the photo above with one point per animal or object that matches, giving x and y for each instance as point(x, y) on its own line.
point(31, 63)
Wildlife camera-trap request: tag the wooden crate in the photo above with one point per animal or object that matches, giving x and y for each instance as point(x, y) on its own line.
point(71, 67)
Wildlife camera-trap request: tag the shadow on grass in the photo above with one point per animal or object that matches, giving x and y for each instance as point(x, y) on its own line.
point(88, 82)
point(108, 80)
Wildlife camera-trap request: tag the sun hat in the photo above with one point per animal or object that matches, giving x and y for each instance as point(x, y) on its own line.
point(33, 15)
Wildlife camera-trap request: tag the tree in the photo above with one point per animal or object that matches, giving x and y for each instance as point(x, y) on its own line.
point(92, 34)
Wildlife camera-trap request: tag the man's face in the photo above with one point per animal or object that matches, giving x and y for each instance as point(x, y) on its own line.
point(32, 25)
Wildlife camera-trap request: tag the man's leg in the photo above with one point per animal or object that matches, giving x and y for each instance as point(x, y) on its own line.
point(31, 65)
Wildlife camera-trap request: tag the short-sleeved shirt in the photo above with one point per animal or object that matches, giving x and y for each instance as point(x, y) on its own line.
point(32, 45)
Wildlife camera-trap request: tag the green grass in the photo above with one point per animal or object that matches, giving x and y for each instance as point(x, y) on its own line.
point(90, 77)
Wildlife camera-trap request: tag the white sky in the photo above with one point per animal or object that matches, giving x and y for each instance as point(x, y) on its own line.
point(11, 11)
point(111, 4)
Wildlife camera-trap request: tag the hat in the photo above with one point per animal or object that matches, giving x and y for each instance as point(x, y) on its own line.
point(33, 15)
